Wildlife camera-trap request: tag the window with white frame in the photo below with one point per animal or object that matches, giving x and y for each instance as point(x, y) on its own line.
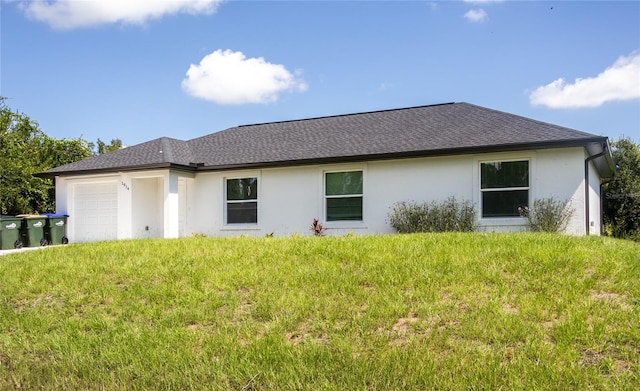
point(343, 195)
point(242, 200)
point(504, 186)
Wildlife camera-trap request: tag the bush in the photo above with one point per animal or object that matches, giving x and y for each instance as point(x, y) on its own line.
point(446, 216)
point(547, 215)
point(622, 192)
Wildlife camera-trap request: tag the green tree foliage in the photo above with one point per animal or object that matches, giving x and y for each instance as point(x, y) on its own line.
point(24, 151)
point(20, 143)
point(100, 147)
point(622, 193)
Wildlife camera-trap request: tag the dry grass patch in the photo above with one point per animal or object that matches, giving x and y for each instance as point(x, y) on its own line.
point(302, 334)
point(604, 361)
point(403, 325)
point(510, 309)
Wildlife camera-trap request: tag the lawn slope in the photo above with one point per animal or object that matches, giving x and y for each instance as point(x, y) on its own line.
point(431, 311)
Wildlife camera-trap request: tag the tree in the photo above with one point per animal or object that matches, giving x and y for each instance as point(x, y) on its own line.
point(100, 147)
point(24, 151)
point(56, 153)
point(622, 193)
point(20, 144)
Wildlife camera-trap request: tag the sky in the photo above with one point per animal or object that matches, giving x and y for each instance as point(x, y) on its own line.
point(138, 70)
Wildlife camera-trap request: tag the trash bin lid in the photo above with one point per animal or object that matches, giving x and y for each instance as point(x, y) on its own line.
point(54, 215)
point(29, 216)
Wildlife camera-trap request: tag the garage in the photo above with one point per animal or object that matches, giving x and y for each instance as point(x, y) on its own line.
point(94, 212)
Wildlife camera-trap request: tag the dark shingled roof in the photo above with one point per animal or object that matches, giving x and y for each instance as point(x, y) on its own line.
point(160, 152)
point(452, 128)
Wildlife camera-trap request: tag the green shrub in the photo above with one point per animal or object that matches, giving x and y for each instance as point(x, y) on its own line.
point(547, 215)
point(450, 215)
point(622, 193)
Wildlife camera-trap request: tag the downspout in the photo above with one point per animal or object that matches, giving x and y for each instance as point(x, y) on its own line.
point(586, 188)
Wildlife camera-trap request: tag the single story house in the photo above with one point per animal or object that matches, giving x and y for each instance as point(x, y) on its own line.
point(345, 170)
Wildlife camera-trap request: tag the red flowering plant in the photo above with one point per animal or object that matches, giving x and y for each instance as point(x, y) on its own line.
point(317, 228)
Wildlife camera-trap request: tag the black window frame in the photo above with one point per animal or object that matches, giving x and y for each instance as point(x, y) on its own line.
point(241, 207)
point(334, 201)
point(501, 196)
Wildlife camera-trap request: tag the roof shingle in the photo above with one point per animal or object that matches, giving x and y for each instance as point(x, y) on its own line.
point(417, 131)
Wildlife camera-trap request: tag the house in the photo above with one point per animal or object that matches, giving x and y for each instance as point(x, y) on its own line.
point(345, 170)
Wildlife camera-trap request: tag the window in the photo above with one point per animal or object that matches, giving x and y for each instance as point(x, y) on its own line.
point(242, 201)
point(504, 187)
point(343, 194)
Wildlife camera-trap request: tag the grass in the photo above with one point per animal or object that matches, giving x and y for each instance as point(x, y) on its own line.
point(401, 312)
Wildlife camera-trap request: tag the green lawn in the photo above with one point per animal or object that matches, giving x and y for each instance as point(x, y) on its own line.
point(392, 312)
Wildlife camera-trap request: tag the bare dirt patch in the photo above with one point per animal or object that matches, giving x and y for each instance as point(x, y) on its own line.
point(401, 330)
point(604, 361)
point(605, 295)
point(302, 334)
point(591, 357)
point(296, 337)
point(403, 325)
point(612, 297)
point(510, 309)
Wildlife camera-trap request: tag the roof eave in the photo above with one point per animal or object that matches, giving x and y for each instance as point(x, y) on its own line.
point(406, 154)
point(113, 170)
point(199, 167)
point(600, 153)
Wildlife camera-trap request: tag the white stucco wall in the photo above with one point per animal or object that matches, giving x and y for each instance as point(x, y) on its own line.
point(560, 175)
point(182, 204)
point(148, 211)
point(595, 212)
point(425, 179)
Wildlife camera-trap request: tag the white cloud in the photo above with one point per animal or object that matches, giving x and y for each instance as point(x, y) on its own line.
point(477, 15)
point(228, 77)
point(70, 14)
point(621, 81)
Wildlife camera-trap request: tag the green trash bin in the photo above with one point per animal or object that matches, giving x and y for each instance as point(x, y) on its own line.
point(55, 229)
point(10, 232)
point(33, 230)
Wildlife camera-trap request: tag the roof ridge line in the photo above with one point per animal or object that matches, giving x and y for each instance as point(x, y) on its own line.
point(346, 115)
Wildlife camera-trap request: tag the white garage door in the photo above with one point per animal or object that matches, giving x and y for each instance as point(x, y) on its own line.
point(95, 212)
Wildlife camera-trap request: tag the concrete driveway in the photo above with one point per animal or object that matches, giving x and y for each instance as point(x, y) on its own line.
point(20, 250)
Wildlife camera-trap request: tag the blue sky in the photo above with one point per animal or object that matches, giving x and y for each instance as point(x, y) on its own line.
point(138, 70)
